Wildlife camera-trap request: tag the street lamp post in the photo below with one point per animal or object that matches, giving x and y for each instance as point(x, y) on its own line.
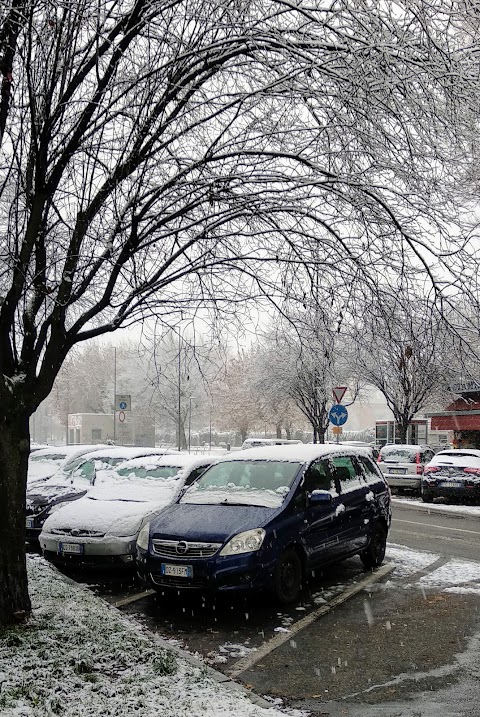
point(190, 421)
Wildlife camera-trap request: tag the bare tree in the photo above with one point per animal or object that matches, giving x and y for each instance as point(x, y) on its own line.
point(158, 156)
point(404, 344)
point(303, 359)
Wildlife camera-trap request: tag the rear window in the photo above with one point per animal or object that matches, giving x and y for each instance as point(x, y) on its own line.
point(456, 458)
point(401, 454)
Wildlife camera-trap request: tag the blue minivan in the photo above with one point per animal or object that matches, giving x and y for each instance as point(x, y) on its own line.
point(263, 518)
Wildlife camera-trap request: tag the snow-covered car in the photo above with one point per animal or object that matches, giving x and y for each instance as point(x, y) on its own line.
point(263, 518)
point(102, 527)
point(453, 475)
point(402, 465)
point(45, 462)
point(73, 479)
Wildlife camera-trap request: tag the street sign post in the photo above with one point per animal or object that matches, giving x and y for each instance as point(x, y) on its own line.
point(337, 415)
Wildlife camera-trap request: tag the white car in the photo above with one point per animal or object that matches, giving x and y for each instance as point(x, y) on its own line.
point(102, 527)
point(45, 462)
point(75, 477)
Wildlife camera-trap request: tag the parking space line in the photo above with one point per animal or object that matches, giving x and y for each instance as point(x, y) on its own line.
point(133, 598)
point(246, 662)
point(430, 525)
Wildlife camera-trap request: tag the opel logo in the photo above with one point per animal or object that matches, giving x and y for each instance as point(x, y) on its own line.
point(75, 532)
point(182, 547)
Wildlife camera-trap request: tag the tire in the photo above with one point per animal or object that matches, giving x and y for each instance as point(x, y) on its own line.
point(287, 577)
point(427, 498)
point(374, 554)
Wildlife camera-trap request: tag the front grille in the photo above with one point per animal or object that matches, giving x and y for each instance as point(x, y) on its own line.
point(77, 533)
point(169, 581)
point(183, 549)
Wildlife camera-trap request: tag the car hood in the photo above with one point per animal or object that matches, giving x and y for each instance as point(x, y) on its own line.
point(115, 517)
point(51, 494)
point(209, 523)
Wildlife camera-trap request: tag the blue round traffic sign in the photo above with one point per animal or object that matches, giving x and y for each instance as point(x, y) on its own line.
point(122, 405)
point(338, 415)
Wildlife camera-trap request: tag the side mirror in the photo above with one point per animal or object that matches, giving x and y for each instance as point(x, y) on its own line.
point(320, 496)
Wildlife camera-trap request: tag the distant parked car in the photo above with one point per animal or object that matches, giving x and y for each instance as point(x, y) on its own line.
point(256, 442)
point(264, 518)
point(102, 527)
point(453, 475)
point(45, 462)
point(72, 480)
point(402, 465)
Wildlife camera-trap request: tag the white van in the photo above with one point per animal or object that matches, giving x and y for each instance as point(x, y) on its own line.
point(255, 442)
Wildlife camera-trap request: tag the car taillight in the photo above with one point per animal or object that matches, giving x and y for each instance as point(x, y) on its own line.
point(431, 469)
point(475, 471)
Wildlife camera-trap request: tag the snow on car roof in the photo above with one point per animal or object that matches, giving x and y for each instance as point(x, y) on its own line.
point(299, 453)
point(125, 452)
point(459, 452)
point(181, 460)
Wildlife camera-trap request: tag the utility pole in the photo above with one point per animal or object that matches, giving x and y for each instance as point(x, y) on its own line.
point(179, 387)
point(190, 422)
point(114, 394)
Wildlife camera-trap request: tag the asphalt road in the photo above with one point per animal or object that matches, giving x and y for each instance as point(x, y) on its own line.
point(445, 533)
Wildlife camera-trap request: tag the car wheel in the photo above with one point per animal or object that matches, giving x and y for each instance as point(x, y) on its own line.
point(427, 498)
point(373, 556)
point(287, 577)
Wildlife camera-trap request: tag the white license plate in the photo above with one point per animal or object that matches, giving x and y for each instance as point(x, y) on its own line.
point(71, 548)
point(177, 571)
point(30, 522)
point(397, 471)
point(450, 484)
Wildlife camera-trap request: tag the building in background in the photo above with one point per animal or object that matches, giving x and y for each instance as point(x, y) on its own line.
point(128, 430)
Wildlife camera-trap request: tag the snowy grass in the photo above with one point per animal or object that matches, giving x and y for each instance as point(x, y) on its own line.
point(79, 657)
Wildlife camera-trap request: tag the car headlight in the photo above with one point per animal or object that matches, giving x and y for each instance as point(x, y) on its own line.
point(246, 542)
point(142, 540)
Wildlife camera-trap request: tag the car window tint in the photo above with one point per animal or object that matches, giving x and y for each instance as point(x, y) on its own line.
point(318, 477)
point(346, 473)
point(195, 474)
point(85, 471)
point(368, 469)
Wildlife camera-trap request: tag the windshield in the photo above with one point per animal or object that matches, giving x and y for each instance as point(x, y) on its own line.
point(262, 483)
point(154, 472)
point(50, 457)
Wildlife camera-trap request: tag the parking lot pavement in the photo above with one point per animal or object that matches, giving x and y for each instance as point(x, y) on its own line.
point(405, 646)
point(380, 646)
point(399, 642)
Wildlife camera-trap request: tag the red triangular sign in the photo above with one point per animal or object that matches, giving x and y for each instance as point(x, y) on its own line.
point(339, 393)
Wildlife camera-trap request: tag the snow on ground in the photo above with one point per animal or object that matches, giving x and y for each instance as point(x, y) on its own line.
point(408, 561)
point(456, 575)
point(470, 510)
point(79, 657)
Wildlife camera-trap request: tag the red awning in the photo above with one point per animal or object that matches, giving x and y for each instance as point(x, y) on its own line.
point(463, 422)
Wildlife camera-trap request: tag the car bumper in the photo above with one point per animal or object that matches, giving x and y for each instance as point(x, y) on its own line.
point(466, 493)
point(101, 551)
point(407, 481)
point(218, 574)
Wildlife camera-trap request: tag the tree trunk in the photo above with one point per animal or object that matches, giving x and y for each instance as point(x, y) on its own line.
point(14, 451)
point(403, 431)
point(278, 430)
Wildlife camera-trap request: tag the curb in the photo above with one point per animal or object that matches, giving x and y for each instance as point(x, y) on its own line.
point(433, 508)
